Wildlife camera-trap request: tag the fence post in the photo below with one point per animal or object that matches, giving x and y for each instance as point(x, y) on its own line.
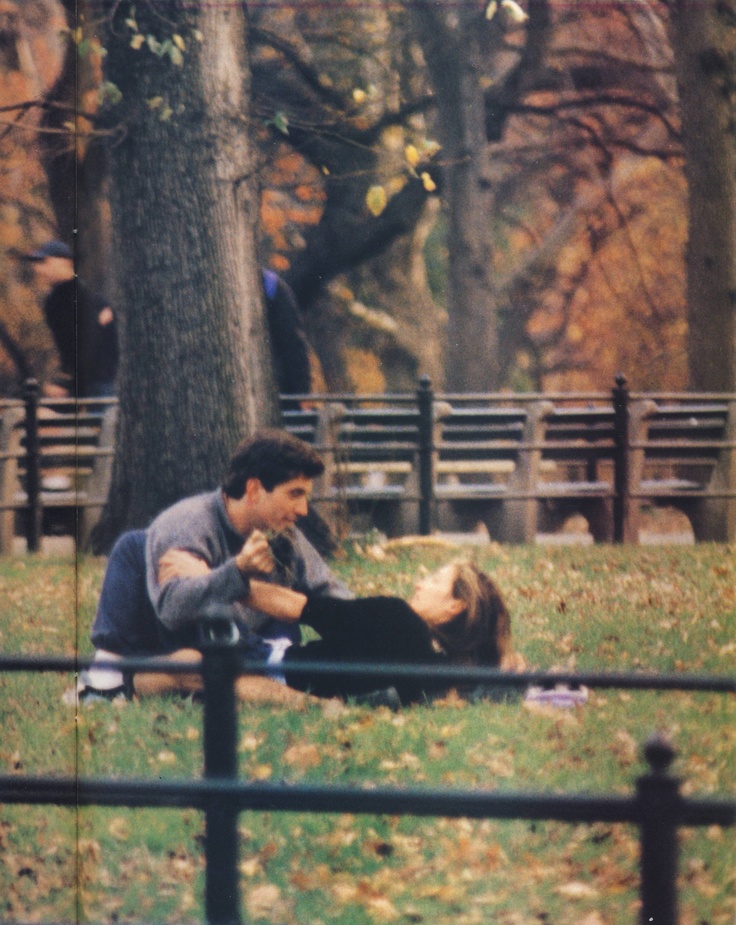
point(659, 798)
point(34, 513)
point(425, 403)
point(219, 671)
point(621, 464)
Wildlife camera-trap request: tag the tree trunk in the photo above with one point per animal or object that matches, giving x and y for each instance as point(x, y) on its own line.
point(195, 374)
point(703, 39)
point(454, 59)
point(76, 172)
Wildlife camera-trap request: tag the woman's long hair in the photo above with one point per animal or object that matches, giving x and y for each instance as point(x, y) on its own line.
point(481, 633)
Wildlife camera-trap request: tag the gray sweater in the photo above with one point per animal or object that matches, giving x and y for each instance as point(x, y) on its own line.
point(201, 526)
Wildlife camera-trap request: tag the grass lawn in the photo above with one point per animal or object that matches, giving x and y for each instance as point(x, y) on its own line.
point(661, 608)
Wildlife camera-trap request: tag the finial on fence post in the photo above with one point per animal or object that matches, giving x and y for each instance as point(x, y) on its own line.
point(34, 511)
point(621, 499)
point(659, 798)
point(425, 403)
point(219, 671)
point(659, 753)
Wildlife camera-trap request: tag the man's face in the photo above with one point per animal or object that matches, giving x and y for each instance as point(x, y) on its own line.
point(53, 270)
point(279, 509)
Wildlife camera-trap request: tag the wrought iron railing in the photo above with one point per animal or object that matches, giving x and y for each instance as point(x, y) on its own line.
point(656, 806)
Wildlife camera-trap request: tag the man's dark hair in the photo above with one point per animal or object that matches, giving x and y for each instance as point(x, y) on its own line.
point(273, 457)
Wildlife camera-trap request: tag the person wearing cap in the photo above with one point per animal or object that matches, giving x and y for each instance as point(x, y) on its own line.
point(82, 325)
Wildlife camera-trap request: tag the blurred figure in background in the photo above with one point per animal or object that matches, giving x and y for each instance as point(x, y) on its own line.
point(82, 325)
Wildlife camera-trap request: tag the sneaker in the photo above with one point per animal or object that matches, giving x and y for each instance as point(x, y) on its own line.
point(385, 697)
point(561, 696)
point(85, 693)
point(94, 695)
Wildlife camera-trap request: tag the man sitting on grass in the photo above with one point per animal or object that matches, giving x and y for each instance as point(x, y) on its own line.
point(266, 488)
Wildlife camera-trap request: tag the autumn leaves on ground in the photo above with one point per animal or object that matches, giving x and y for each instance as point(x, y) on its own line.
point(661, 608)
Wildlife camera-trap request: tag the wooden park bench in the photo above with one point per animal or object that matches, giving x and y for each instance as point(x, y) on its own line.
point(371, 453)
point(75, 442)
point(682, 453)
point(412, 463)
point(484, 464)
point(472, 461)
point(579, 455)
point(523, 469)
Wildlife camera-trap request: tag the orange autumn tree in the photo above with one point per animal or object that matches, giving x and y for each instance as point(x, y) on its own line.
point(32, 49)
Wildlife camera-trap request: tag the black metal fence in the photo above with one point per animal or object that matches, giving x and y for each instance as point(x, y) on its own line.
point(656, 806)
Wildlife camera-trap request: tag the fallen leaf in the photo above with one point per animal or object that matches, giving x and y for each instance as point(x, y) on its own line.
point(266, 902)
point(577, 890)
point(303, 756)
point(593, 918)
point(119, 828)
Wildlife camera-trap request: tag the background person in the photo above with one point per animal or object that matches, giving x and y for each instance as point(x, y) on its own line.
point(82, 325)
point(289, 343)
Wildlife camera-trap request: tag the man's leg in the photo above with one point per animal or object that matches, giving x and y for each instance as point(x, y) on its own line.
point(160, 682)
point(248, 688)
point(125, 623)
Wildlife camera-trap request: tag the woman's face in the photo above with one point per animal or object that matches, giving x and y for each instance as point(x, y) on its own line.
point(433, 599)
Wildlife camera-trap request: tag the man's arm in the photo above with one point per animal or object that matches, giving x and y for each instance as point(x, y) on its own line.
point(274, 600)
point(185, 584)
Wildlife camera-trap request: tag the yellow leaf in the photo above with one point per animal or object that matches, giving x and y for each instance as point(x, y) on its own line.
point(428, 183)
point(137, 41)
point(514, 12)
point(376, 200)
point(179, 42)
point(261, 772)
point(250, 867)
point(359, 95)
point(412, 155)
point(491, 9)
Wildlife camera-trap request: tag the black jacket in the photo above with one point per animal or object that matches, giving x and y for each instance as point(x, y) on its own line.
point(384, 630)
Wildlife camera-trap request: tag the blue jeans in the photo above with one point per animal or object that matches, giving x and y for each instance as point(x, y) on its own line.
point(126, 622)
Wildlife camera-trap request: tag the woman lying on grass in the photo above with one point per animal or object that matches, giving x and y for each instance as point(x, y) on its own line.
point(455, 616)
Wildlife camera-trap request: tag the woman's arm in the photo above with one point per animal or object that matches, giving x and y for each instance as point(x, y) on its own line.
point(275, 600)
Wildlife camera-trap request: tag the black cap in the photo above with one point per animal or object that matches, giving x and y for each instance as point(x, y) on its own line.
point(51, 249)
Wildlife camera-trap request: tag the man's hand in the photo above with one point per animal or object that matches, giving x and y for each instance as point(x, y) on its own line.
point(255, 557)
point(178, 563)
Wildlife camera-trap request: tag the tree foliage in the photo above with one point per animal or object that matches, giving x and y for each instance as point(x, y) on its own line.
point(562, 265)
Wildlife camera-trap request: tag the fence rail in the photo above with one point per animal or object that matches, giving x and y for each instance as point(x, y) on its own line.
point(656, 806)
